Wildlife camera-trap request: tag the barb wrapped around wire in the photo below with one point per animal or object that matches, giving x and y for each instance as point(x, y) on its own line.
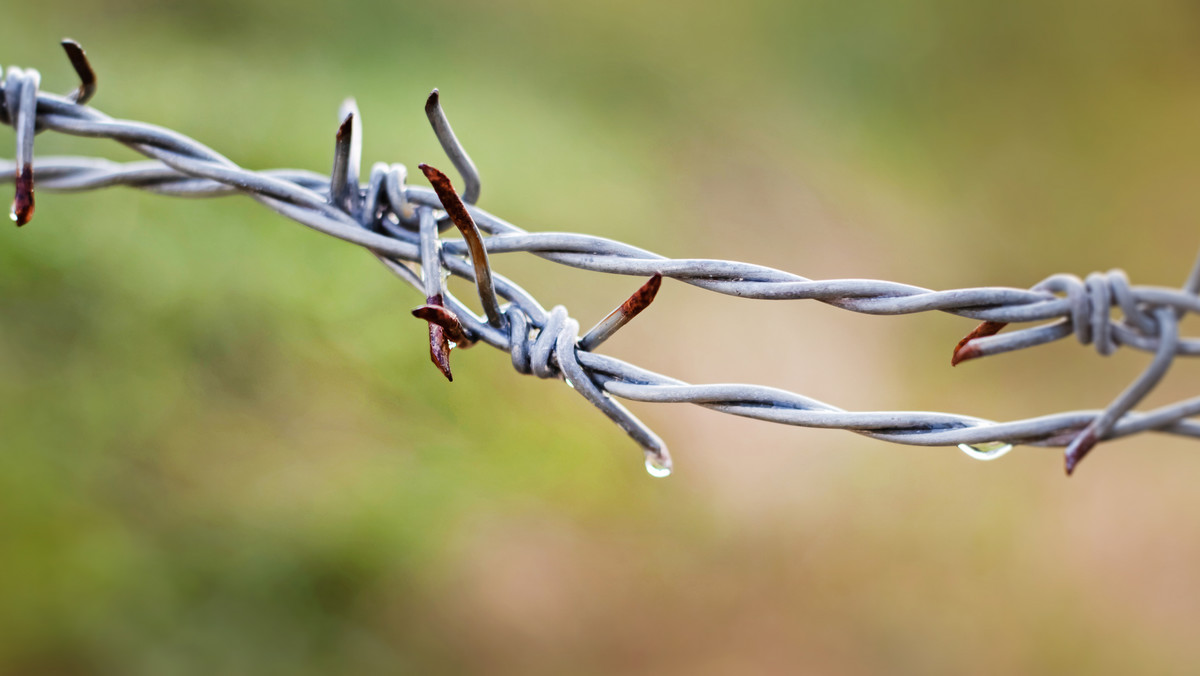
point(401, 225)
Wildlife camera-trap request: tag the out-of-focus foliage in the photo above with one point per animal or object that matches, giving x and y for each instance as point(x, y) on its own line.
point(223, 449)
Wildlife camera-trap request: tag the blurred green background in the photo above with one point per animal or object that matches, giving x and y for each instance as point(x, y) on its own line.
point(224, 450)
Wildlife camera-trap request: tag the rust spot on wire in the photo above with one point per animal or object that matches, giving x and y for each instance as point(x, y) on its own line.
point(22, 207)
point(83, 68)
point(964, 350)
point(466, 225)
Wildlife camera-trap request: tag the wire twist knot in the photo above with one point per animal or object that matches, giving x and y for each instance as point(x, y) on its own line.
point(1090, 304)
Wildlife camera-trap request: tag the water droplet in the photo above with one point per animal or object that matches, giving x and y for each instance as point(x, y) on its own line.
point(452, 344)
point(568, 382)
point(986, 451)
point(656, 469)
point(12, 215)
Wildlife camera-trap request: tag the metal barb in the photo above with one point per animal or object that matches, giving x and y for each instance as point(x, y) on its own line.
point(453, 149)
point(436, 312)
point(23, 116)
point(1098, 429)
point(431, 280)
point(439, 341)
point(1079, 447)
point(347, 160)
point(470, 232)
point(22, 207)
point(964, 350)
point(632, 307)
point(83, 68)
point(1167, 326)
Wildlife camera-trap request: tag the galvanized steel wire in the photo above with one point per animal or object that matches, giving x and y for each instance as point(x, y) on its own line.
point(400, 224)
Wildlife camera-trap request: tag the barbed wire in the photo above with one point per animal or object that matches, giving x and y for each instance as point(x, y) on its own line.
point(401, 224)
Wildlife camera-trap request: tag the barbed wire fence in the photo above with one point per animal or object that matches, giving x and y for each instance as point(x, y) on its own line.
point(401, 225)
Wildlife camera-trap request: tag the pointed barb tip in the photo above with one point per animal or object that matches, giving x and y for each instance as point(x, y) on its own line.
point(964, 350)
point(346, 127)
point(1079, 448)
point(621, 316)
point(22, 207)
point(435, 313)
point(439, 350)
point(83, 69)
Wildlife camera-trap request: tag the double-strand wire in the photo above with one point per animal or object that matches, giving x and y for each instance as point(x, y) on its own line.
point(400, 225)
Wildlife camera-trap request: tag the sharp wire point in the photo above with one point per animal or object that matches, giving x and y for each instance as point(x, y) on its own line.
point(83, 69)
point(22, 87)
point(1078, 449)
point(435, 312)
point(344, 190)
point(443, 324)
point(453, 148)
point(439, 350)
point(1168, 336)
point(23, 203)
point(625, 312)
point(964, 350)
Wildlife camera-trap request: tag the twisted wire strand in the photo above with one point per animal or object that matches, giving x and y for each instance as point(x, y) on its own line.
point(385, 216)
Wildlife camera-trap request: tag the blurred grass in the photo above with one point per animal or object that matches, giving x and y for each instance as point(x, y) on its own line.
point(225, 450)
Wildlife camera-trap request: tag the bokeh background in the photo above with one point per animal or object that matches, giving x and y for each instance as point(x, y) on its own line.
point(223, 449)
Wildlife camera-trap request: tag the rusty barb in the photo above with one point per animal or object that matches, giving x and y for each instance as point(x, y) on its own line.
point(605, 328)
point(470, 231)
point(445, 329)
point(18, 101)
point(87, 76)
point(966, 349)
point(401, 226)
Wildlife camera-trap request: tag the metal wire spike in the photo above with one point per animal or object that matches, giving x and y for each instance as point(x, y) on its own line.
point(83, 68)
point(965, 350)
point(347, 160)
point(436, 312)
point(625, 312)
point(439, 341)
point(21, 94)
point(470, 231)
point(453, 149)
point(431, 279)
point(1098, 429)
